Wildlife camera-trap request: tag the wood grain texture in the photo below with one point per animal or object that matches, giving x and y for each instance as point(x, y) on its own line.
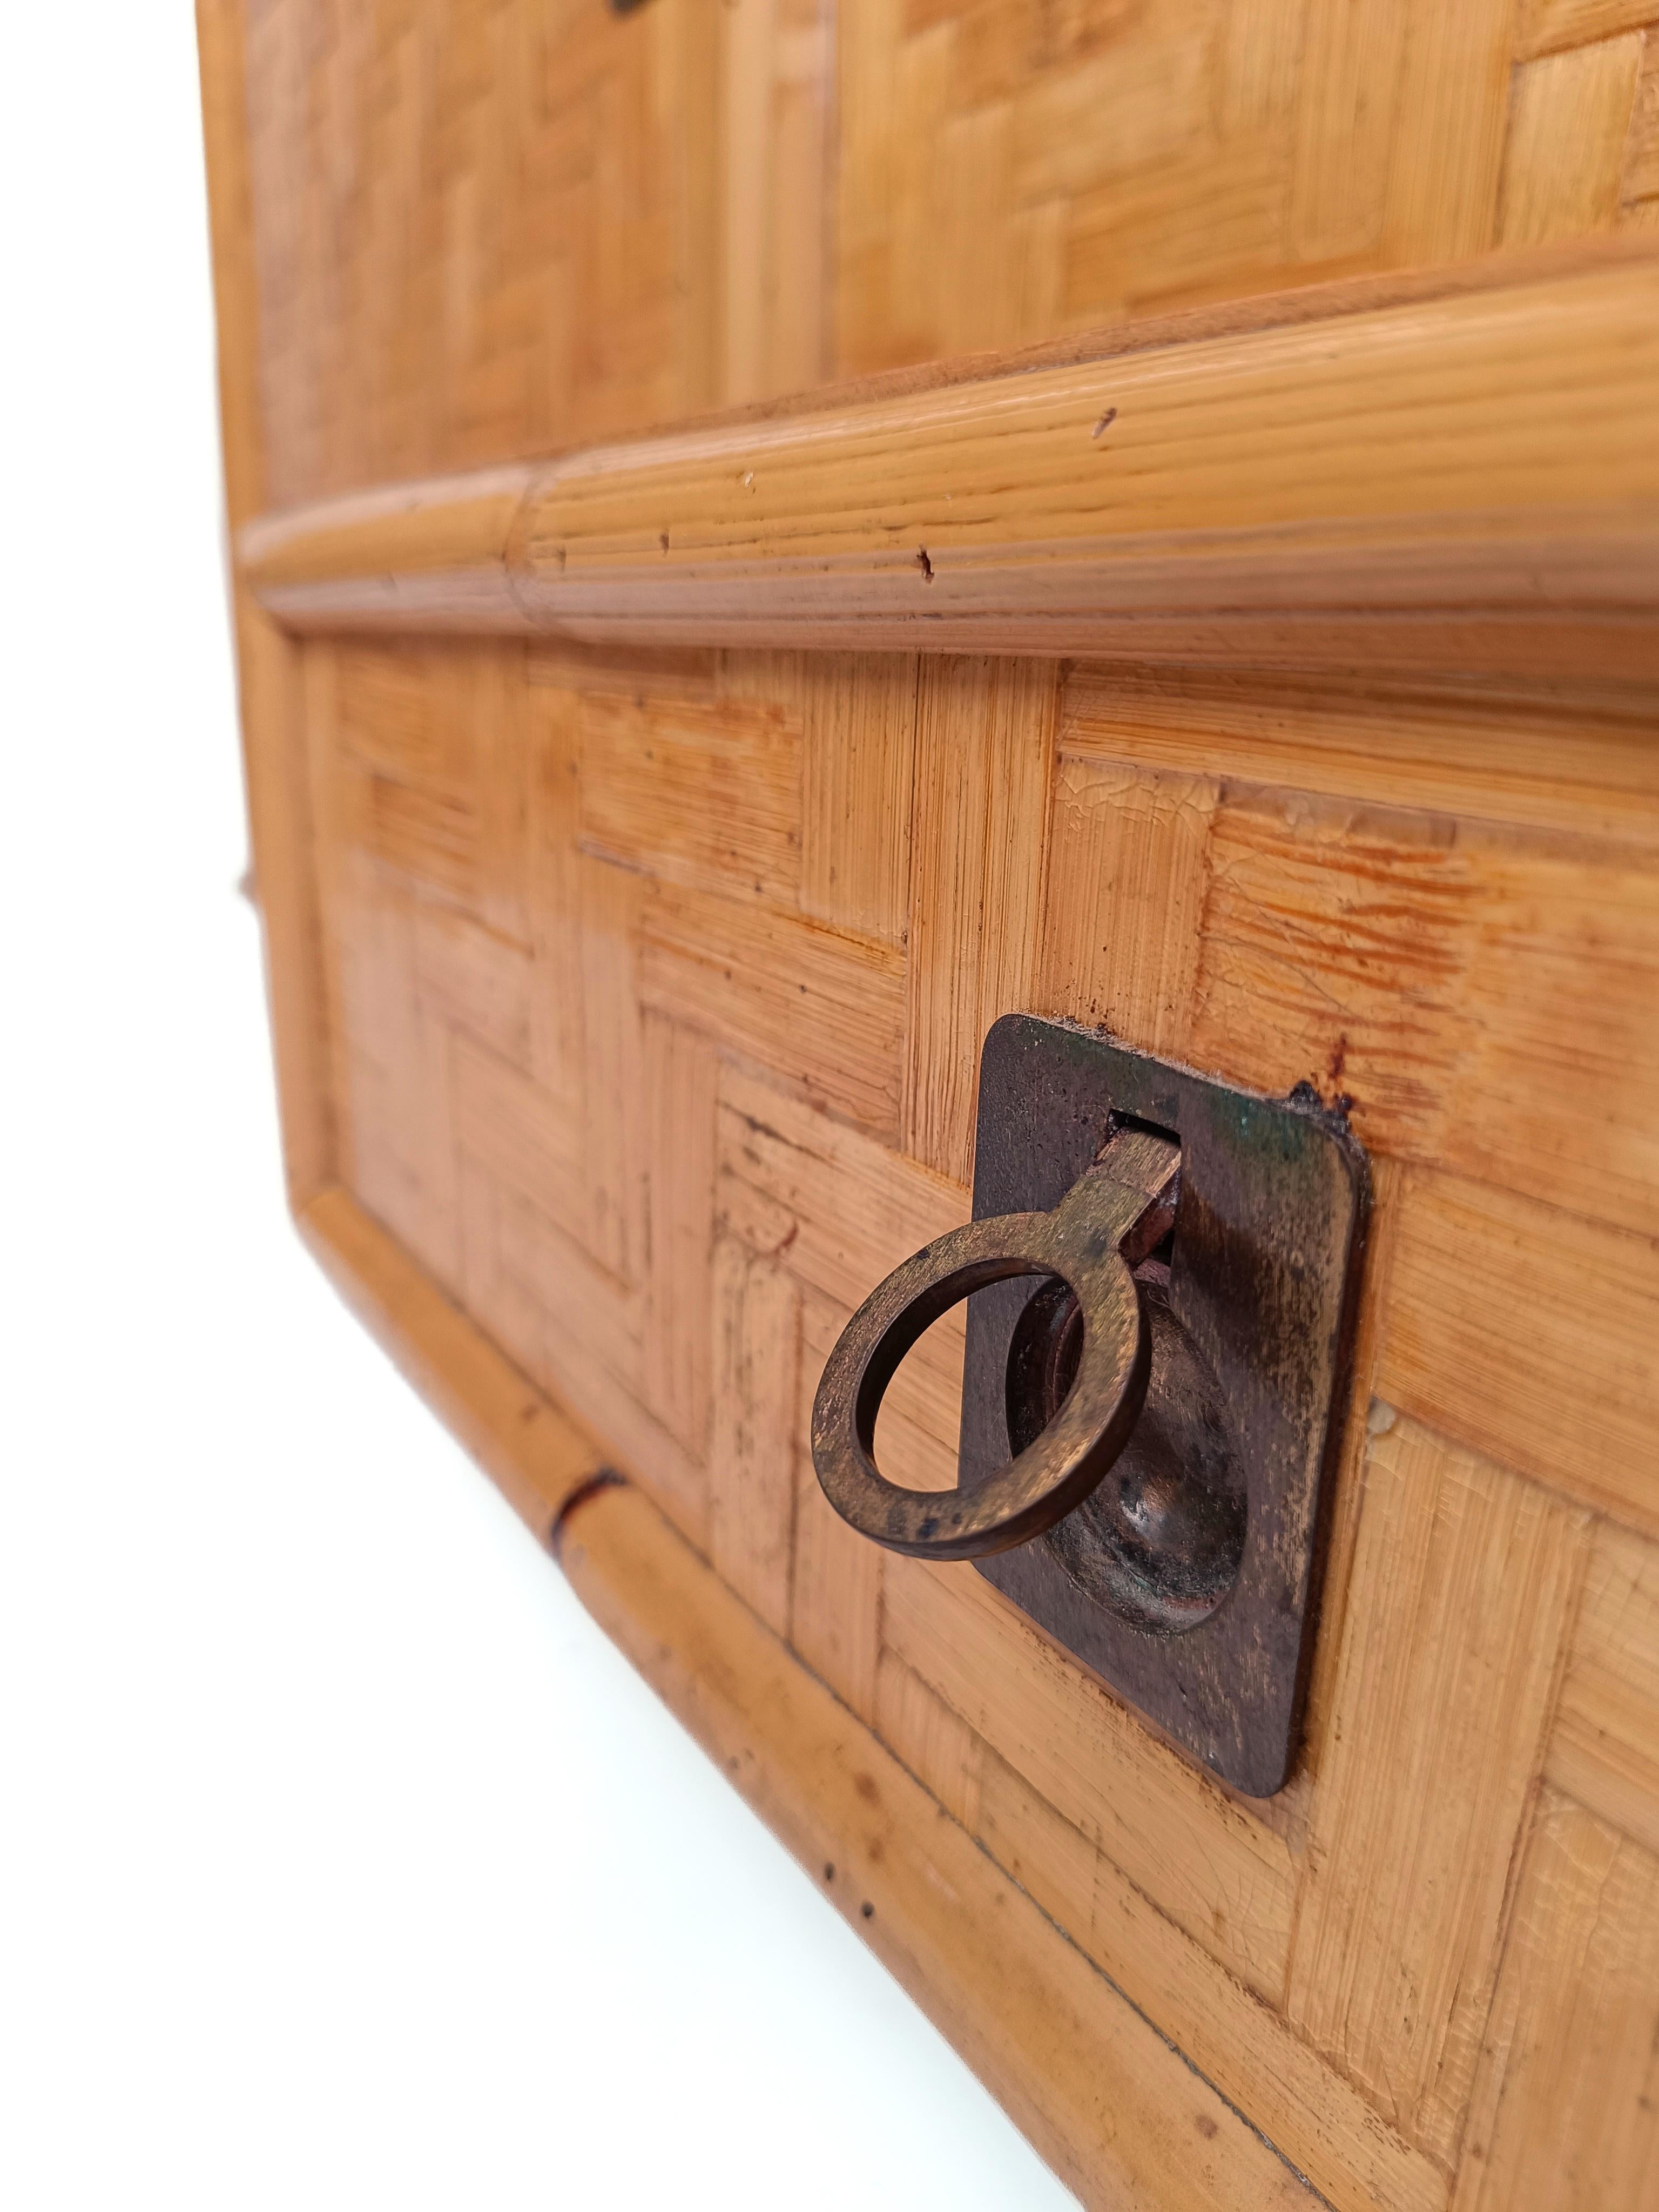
point(858, 770)
point(1604, 1750)
point(1567, 2114)
point(709, 796)
point(1453, 114)
point(1121, 2116)
point(984, 751)
point(1321, 2123)
point(480, 983)
point(497, 1290)
point(575, 1130)
point(634, 923)
point(839, 1212)
point(424, 125)
point(427, 553)
point(1565, 160)
point(1348, 89)
point(268, 676)
point(1200, 1910)
point(756, 1329)
point(486, 232)
point(1480, 497)
point(1092, 160)
point(1462, 1587)
point(935, 1743)
point(1221, 1874)
point(435, 740)
point(1580, 759)
point(680, 1082)
point(1640, 181)
point(586, 1323)
point(1571, 1396)
point(1124, 912)
point(519, 1133)
point(282, 829)
point(614, 1097)
point(774, 61)
point(554, 878)
point(1446, 982)
point(823, 1008)
point(844, 1209)
point(393, 1121)
point(575, 672)
point(1548, 27)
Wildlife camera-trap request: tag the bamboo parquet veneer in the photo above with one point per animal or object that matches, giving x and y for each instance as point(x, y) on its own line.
point(659, 782)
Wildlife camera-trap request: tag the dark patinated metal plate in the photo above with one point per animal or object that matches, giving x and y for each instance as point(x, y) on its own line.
point(1262, 1278)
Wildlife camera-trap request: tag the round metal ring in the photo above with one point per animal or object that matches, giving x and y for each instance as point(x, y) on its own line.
point(1055, 1473)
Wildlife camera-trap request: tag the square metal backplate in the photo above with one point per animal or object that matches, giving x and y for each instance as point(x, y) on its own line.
point(1262, 1278)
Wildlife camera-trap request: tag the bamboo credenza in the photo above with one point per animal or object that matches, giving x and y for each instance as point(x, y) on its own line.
point(767, 536)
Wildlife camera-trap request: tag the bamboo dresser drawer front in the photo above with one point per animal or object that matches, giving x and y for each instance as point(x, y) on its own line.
point(770, 817)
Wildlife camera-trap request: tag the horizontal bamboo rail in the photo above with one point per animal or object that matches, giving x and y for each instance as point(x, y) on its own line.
point(1461, 475)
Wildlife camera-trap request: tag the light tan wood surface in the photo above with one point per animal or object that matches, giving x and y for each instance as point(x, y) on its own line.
point(282, 874)
point(1467, 480)
point(646, 838)
point(483, 231)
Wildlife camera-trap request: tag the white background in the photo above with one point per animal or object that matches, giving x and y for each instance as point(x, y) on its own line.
point(341, 1862)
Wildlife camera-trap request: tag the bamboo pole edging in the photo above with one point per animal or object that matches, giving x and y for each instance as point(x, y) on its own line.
point(1470, 480)
point(1103, 2094)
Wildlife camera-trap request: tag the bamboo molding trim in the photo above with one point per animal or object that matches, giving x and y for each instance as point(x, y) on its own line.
point(911, 1882)
point(268, 664)
point(1468, 479)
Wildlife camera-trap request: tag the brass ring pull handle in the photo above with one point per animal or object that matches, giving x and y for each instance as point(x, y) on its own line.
point(1108, 1220)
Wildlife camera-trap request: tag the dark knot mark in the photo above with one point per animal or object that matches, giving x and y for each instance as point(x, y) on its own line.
point(604, 1477)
